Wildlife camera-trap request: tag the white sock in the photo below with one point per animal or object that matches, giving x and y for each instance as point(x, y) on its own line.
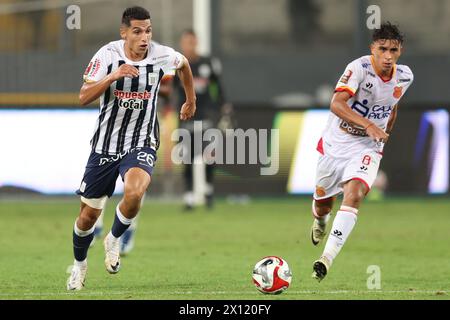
point(80, 263)
point(321, 220)
point(82, 233)
point(342, 227)
point(122, 218)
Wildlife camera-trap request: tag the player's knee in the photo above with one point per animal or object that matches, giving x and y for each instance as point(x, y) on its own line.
point(323, 210)
point(354, 197)
point(323, 207)
point(88, 217)
point(133, 197)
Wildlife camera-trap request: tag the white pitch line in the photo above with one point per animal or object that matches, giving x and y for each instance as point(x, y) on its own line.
point(101, 293)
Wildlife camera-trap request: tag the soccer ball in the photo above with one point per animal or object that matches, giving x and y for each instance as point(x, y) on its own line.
point(272, 275)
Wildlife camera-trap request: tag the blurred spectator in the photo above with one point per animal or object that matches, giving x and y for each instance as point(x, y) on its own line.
point(210, 105)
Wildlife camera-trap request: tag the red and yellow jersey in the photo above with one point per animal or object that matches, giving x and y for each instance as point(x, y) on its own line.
point(372, 97)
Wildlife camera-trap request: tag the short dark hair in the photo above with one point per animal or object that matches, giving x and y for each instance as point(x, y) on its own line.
point(388, 31)
point(134, 13)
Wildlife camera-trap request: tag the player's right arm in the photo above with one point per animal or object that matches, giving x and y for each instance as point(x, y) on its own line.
point(91, 90)
point(96, 78)
point(346, 87)
point(341, 109)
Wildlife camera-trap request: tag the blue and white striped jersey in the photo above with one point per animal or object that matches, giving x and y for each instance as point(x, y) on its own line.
point(128, 117)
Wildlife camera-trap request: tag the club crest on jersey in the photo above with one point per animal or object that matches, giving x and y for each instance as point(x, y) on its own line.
point(346, 76)
point(320, 191)
point(397, 92)
point(152, 78)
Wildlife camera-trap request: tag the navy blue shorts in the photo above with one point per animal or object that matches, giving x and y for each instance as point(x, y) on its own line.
point(102, 170)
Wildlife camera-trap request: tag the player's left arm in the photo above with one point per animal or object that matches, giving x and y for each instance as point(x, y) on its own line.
point(187, 80)
point(391, 121)
point(409, 77)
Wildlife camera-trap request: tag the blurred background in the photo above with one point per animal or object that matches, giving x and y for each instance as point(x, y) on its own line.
point(280, 62)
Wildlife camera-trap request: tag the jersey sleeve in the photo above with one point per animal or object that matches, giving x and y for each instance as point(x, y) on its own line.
point(407, 78)
point(351, 78)
point(175, 62)
point(97, 67)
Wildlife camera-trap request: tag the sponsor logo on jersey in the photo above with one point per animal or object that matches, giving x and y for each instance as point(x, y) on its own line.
point(376, 112)
point(397, 92)
point(346, 76)
point(132, 104)
point(352, 129)
point(403, 80)
point(89, 67)
point(132, 95)
point(131, 100)
point(92, 68)
point(371, 74)
point(361, 108)
point(379, 112)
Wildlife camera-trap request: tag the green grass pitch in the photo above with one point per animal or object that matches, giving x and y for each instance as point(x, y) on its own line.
point(210, 255)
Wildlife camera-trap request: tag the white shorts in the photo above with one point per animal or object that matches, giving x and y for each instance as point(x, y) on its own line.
point(333, 173)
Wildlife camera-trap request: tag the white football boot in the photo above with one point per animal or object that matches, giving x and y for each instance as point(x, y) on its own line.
point(77, 276)
point(318, 232)
point(112, 253)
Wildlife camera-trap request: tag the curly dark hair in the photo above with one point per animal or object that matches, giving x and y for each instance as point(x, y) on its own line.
point(388, 31)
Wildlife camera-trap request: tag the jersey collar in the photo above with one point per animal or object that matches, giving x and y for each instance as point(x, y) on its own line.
point(378, 72)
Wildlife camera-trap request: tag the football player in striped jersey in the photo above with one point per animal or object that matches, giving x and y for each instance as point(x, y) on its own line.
point(126, 76)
